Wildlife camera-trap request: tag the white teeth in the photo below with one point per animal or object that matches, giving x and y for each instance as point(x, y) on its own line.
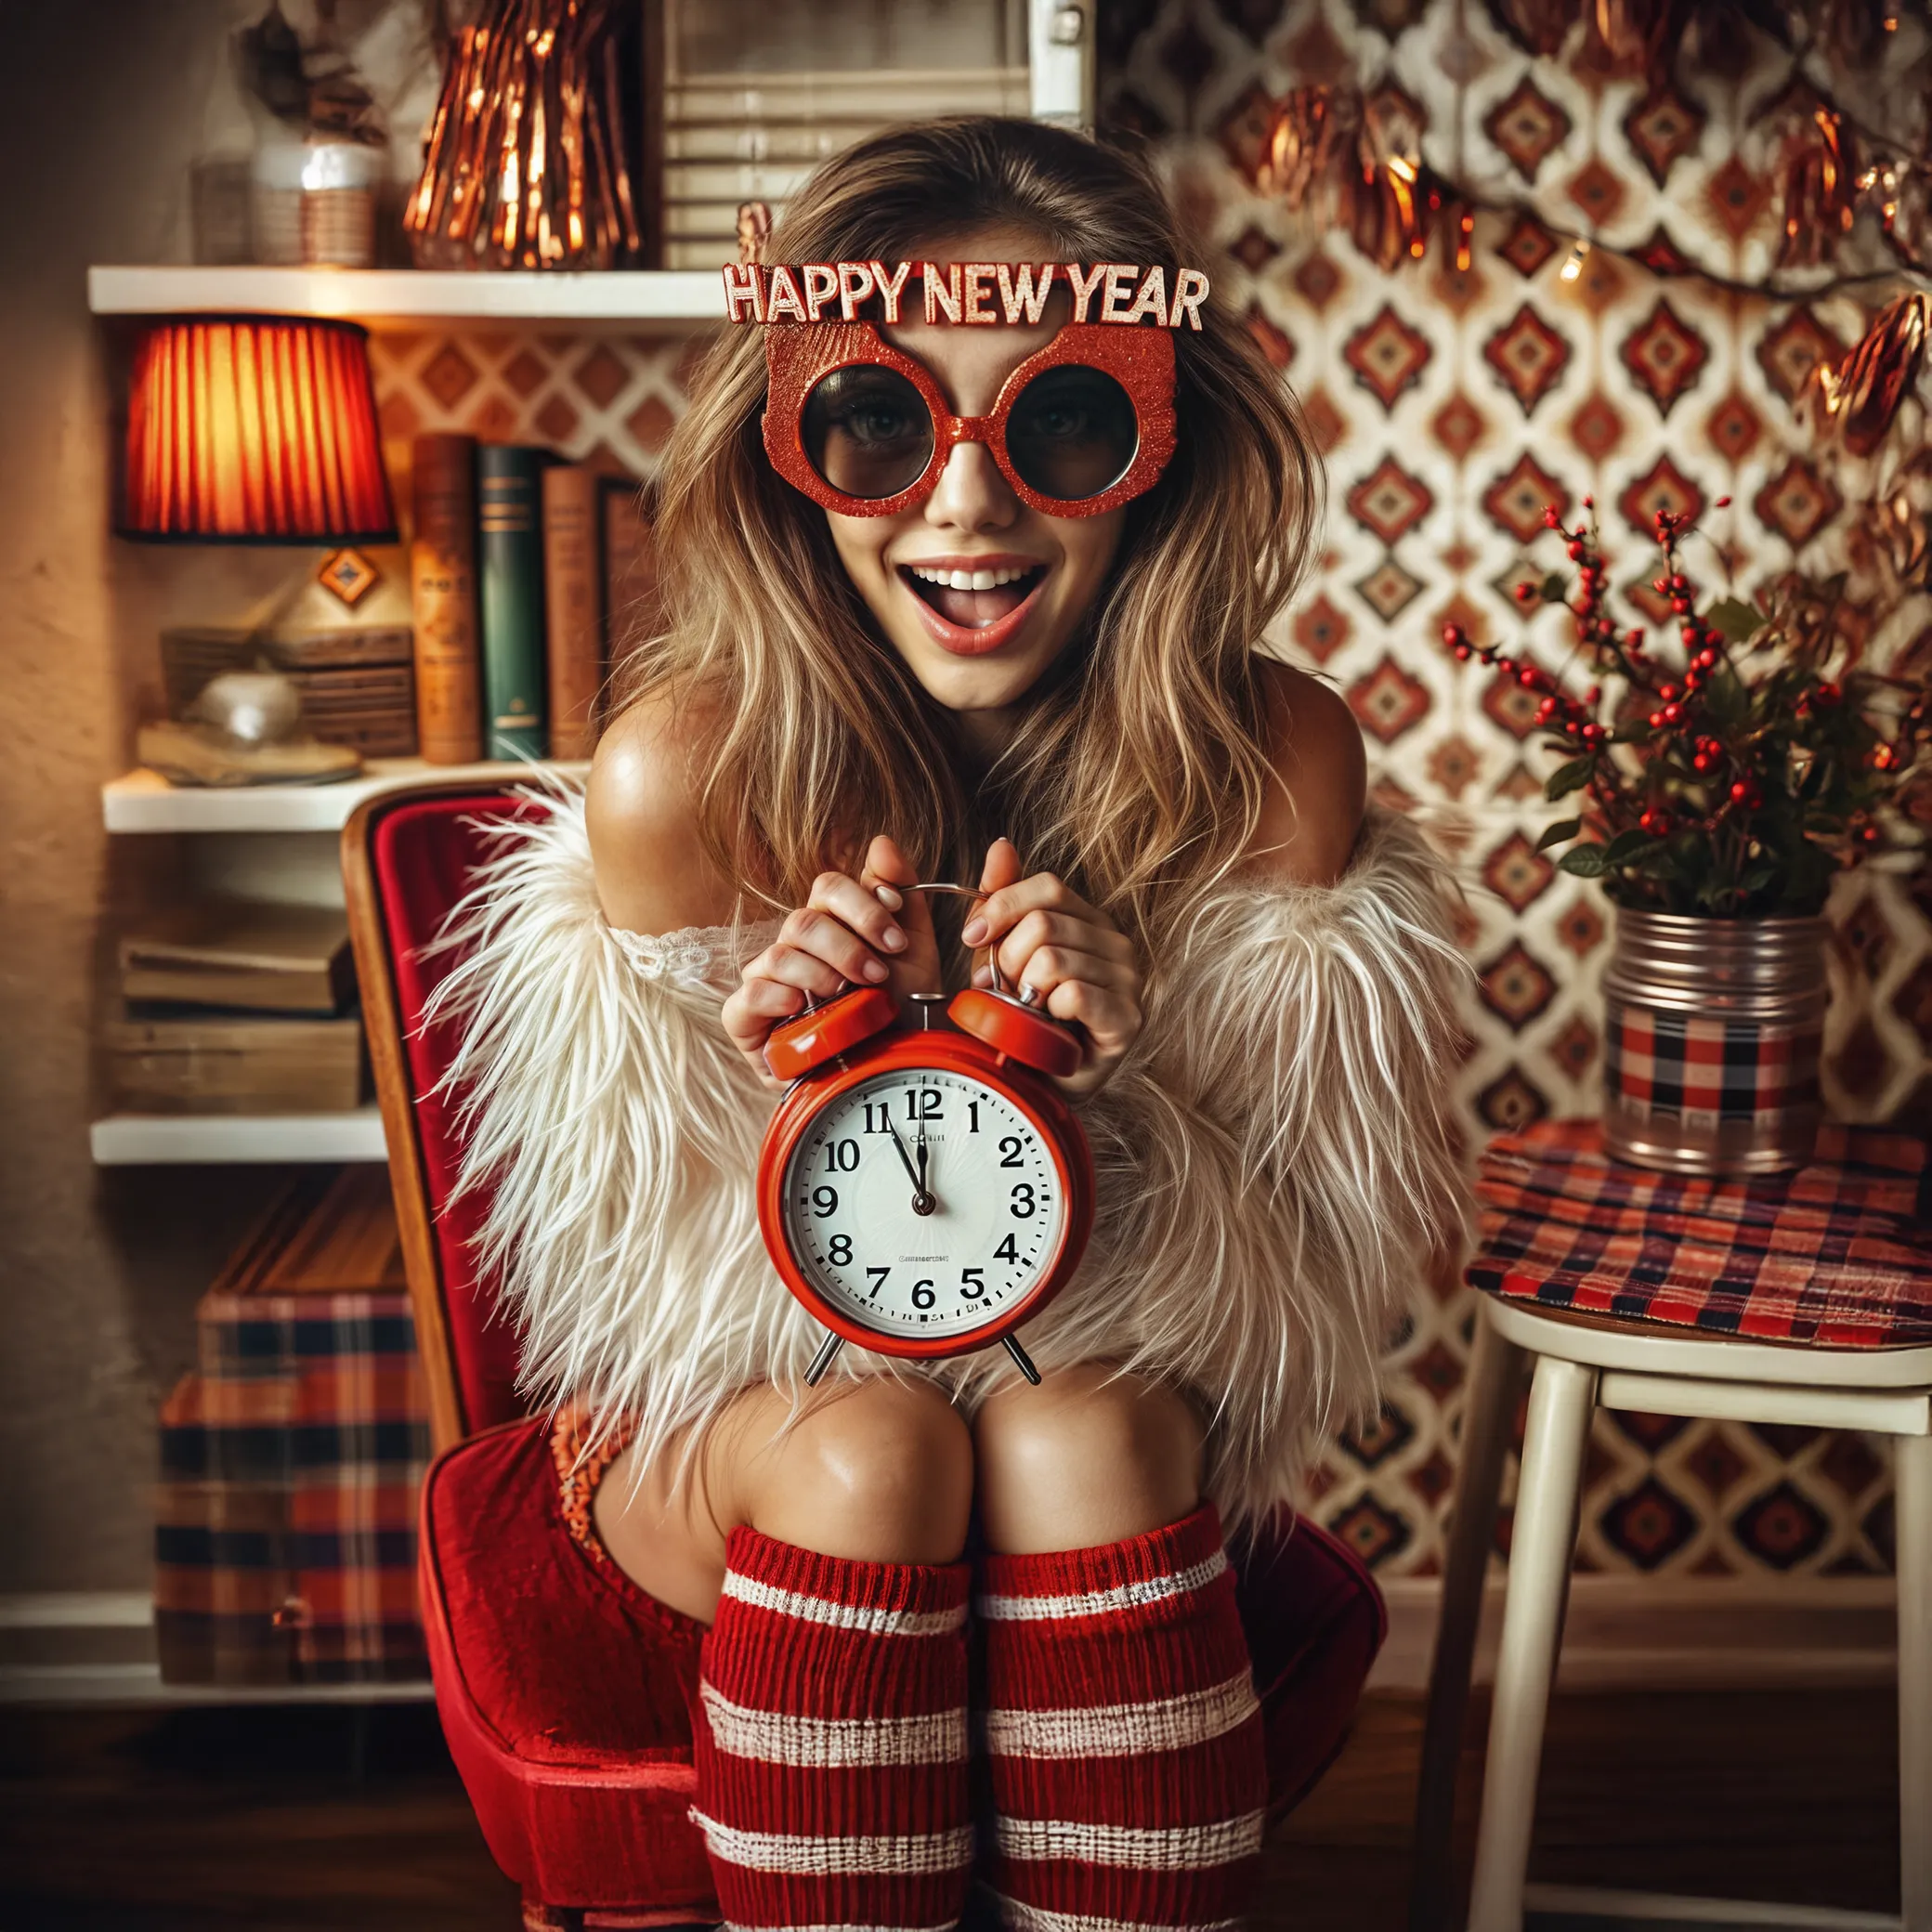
point(969, 580)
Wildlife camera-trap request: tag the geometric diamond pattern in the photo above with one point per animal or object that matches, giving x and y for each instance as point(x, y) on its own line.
point(1389, 502)
point(1664, 354)
point(1528, 356)
point(1516, 501)
point(1527, 127)
point(1637, 380)
point(1661, 126)
point(1798, 503)
point(1387, 356)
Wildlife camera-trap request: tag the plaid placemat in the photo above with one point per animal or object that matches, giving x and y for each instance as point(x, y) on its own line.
point(1838, 1254)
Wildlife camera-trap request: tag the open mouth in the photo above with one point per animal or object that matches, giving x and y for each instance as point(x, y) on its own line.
point(978, 609)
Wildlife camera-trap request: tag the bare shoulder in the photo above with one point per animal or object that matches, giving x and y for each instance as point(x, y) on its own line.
point(1313, 811)
point(653, 873)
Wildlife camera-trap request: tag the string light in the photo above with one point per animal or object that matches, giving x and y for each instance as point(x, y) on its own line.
point(1574, 267)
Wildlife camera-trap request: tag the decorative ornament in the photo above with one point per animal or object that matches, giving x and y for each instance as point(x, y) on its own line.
point(1863, 397)
point(525, 165)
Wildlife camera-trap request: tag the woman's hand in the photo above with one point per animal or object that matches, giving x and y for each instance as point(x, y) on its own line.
point(1080, 964)
point(849, 933)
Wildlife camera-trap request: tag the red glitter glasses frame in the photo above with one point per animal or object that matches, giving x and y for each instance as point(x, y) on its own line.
point(799, 356)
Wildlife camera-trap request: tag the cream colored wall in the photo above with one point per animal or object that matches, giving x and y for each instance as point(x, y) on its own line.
point(103, 104)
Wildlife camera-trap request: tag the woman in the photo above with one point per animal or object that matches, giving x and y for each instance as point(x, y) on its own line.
point(1171, 830)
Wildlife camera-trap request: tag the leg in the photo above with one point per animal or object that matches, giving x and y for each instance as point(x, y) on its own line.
point(1914, 1518)
point(1561, 1399)
point(1496, 1368)
point(1122, 1732)
point(831, 1760)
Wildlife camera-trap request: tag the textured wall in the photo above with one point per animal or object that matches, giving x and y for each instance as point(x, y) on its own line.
point(102, 106)
point(1451, 408)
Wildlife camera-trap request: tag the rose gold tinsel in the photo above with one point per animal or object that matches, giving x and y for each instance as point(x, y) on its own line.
point(524, 166)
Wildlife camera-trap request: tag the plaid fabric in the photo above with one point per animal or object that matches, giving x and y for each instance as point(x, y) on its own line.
point(1680, 1066)
point(1838, 1255)
point(285, 1533)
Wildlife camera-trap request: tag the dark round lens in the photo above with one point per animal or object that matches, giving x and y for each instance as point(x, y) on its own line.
point(1072, 433)
point(867, 432)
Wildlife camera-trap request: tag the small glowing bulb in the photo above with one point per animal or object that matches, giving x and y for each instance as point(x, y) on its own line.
point(1574, 267)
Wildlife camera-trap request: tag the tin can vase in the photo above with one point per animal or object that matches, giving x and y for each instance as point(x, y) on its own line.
point(1711, 1032)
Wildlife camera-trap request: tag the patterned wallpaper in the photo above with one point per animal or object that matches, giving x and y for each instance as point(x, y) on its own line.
point(1451, 406)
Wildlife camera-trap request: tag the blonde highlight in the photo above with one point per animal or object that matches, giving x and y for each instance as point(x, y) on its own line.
point(1139, 768)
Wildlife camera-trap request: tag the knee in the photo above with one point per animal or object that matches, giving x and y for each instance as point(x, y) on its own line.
point(1088, 1457)
point(875, 1471)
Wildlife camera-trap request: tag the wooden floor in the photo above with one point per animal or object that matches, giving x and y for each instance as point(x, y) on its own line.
point(300, 1820)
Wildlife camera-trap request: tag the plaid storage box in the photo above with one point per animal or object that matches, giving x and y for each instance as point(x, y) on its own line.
point(291, 1459)
point(1838, 1255)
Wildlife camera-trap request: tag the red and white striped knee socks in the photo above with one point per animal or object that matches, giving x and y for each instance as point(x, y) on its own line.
point(1124, 1738)
point(831, 1769)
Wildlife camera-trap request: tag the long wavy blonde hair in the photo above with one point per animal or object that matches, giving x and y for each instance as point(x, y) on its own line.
point(1137, 770)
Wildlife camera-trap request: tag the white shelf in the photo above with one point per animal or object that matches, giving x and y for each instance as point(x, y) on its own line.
point(166, 1140)
point(144, 802)
point(140, 1685)
point(412, 295)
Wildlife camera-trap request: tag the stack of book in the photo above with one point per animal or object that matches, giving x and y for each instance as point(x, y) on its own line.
point(357, 681)
point(522, 571)
point(232, 1006)
point(290, 1458)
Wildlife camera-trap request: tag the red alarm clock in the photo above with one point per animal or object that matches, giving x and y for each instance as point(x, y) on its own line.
point(924, 1190)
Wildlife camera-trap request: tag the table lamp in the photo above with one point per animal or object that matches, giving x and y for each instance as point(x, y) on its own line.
point(261, 430)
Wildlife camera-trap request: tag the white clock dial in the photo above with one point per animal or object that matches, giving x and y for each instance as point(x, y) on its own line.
point(941, 1259)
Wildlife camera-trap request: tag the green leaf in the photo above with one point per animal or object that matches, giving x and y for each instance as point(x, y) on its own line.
point(1727, 699)
point(1552, 588)
point(1733, 616)
point(1627, 848)
point(1569, 777)
point(1583, 862)
point(1555, 834)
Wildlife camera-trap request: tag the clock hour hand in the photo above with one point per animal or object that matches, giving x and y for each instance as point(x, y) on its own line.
point(923, 1203)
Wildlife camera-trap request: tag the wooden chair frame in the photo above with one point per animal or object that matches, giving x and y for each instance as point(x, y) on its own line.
point(449, 1421)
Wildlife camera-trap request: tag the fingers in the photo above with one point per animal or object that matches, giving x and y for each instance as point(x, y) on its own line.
point(1063, 932)
point(1042, 892)
point(1002, 866)
point(1112, 1017)
point(837, 897)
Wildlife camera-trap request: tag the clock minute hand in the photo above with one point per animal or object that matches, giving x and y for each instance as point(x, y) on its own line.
point(921, 1200)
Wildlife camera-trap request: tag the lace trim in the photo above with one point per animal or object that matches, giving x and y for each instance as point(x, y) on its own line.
point(692, 952)
point(582, 1462)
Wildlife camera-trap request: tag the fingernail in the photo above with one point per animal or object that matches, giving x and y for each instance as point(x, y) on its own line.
point(974, 931)
point(876, 970)
point(887, 897)
point(894, 939)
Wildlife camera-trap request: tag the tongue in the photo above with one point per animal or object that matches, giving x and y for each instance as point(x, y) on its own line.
point(973, 610)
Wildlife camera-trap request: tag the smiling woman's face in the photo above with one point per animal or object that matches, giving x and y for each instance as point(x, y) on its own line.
point(977, 591)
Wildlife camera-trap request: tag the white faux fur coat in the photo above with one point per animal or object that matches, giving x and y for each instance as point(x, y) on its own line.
point(1276, 1162)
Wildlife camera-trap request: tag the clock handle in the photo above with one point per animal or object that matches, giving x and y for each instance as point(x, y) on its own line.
point(827, 1348)
point(1021, 1360)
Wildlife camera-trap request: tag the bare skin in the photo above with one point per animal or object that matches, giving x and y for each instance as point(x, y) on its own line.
point(885, 1470)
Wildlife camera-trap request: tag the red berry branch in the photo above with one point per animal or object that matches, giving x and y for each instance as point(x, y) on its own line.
point(1731, 774)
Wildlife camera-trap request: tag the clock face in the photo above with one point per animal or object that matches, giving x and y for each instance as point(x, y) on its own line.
point(931, 1251)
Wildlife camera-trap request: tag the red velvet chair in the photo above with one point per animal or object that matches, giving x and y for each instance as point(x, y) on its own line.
point(567, 1693)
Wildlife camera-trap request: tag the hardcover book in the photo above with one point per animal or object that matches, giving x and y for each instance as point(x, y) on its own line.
point(443, 589)
point(242, 953)
point(574, 606)
point(510, 557)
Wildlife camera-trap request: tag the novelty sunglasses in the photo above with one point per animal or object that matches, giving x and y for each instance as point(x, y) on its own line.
point(1082, 426)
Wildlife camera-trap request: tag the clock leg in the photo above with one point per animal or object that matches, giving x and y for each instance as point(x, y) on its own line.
point(827, 1348)
point(1021, 1360)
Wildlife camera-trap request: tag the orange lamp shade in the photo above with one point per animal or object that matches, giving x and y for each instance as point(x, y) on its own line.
point(254, 430)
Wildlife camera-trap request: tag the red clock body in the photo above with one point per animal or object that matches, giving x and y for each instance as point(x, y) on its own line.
point(921, 1191)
